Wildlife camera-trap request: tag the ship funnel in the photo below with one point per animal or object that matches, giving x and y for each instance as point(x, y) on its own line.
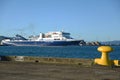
point(40, 36)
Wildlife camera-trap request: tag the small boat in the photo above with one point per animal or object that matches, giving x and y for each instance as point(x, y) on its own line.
point(55, 38)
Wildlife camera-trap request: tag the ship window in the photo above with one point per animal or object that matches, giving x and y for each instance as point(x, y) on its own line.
point(66, 33)
point(56, 39)
point(68, 37)
point(55, 33)
point(48, 36)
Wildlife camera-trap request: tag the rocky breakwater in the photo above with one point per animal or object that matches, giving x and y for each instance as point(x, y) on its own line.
point(96, 43)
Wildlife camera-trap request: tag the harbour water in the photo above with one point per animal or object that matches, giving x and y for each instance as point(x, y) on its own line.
point(58, 52)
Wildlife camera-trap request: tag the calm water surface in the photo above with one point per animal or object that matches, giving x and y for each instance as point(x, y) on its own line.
point(62, 52)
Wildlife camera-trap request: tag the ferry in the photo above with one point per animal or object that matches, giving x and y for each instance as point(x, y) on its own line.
point(54, 38)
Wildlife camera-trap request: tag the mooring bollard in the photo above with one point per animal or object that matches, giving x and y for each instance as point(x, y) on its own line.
point(104, 60)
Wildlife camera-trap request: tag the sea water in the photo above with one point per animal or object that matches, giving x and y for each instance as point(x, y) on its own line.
point(58, 52)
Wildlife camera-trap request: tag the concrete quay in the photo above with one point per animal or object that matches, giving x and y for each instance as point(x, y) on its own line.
point(34, 68)
point(75, 61)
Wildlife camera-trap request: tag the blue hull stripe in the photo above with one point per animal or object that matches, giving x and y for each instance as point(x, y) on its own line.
point(42, 43)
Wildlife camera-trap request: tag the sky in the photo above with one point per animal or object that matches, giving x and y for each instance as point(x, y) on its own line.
point(91, 20)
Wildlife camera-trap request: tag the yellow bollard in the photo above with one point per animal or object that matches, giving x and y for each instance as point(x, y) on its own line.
point(116, 62)
point(104, 60)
